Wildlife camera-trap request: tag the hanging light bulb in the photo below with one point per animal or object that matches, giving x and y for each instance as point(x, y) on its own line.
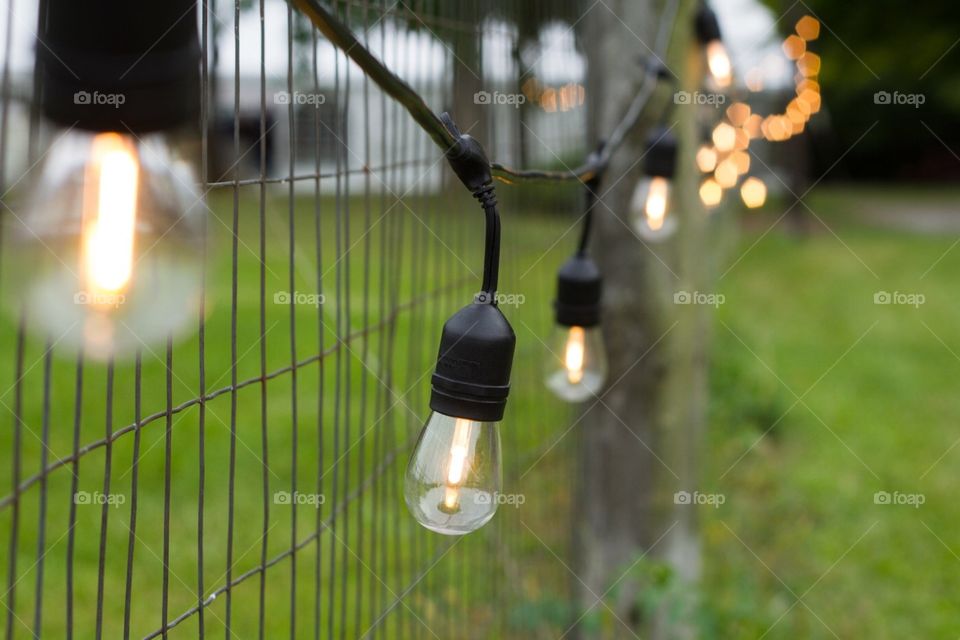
point(454, 475)
point(650, 205)
point(577, 364)
point(453, 480)
point(718, 60)
point(711, 193)
point(111, 225)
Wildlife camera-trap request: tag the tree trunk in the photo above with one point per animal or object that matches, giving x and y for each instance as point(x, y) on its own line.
point(641, 443)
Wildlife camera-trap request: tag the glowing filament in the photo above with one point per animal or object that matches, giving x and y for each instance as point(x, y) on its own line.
point(719, 63)
point(110, 199)
point(459, 450)
point(573, 355)
point(656, 205)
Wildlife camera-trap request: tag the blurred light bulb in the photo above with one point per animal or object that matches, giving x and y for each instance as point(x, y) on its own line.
point(719, 63)
point(578, 365)
point(710, 193)
point(453, 479)
point(706, 158)
point(726, 174)
point(650, 206)
point(724, 137)
point(808, 28)
point(754, 192)
point(110, 231)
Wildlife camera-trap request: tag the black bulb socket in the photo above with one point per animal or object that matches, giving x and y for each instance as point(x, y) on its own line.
point(579, 291)
point(706, 25)
point(472, 376)
point(117, 65)
point(660, 157)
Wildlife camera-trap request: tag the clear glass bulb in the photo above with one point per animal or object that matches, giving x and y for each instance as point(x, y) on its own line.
point(718, 61)
point(650, 207)
point(107, 251)
point(578, 363)
point(453, 480)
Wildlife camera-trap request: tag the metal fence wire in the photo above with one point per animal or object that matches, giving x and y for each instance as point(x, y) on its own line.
point(247, 481)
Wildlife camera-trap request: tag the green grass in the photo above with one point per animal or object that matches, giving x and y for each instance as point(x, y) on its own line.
point(878, 411)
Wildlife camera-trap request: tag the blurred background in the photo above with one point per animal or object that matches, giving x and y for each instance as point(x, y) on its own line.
point(773, 454)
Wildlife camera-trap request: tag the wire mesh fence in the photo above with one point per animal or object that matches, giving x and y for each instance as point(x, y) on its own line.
point(247, 480)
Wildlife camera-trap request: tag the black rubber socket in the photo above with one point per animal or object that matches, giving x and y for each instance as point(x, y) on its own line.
point(579, 290)
point(472, 377)
point(706, 25)
point(114, 65)
point(660, 158)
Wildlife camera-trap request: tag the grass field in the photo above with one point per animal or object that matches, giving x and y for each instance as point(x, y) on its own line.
point(820, 399)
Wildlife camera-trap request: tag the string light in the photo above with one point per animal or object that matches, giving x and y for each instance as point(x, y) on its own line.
point(754, 192)
point(707, 29)
point(112, 226)
point(650, 205)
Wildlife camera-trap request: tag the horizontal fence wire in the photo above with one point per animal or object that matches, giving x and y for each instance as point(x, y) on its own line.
point(246, 481)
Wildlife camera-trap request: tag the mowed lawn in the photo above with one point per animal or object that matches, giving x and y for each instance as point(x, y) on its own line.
point(821, 398)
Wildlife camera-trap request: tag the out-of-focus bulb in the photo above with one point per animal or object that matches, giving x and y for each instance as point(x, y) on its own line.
point(719, 63)
point(111, 236)
point(453, 479)
point(650, 207)
point(754, 192)
point(578, 366)
point(711, 193)
point(706, 158)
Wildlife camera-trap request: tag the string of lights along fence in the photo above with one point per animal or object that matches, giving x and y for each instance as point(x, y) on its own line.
point(118, 214)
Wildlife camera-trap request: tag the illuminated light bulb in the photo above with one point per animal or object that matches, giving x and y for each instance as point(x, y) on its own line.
point(811, 99)
point(113, 231)
point(754, 192)
point(650, 207)
point(706, 158)
point(724, 137)
point(578, 364)
point(719, 63)
point(726, 174)
point(650, 204)
point(711, 193)
point(741, 140)
point(807, 84)
point(754, 79)
point(808, 28)
point(797, 127)
point(454, 476)
point(453, 479)
point(752, 125)
point(741, 160)
point(809, 64)
point(737, 113)
point(794, 47)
